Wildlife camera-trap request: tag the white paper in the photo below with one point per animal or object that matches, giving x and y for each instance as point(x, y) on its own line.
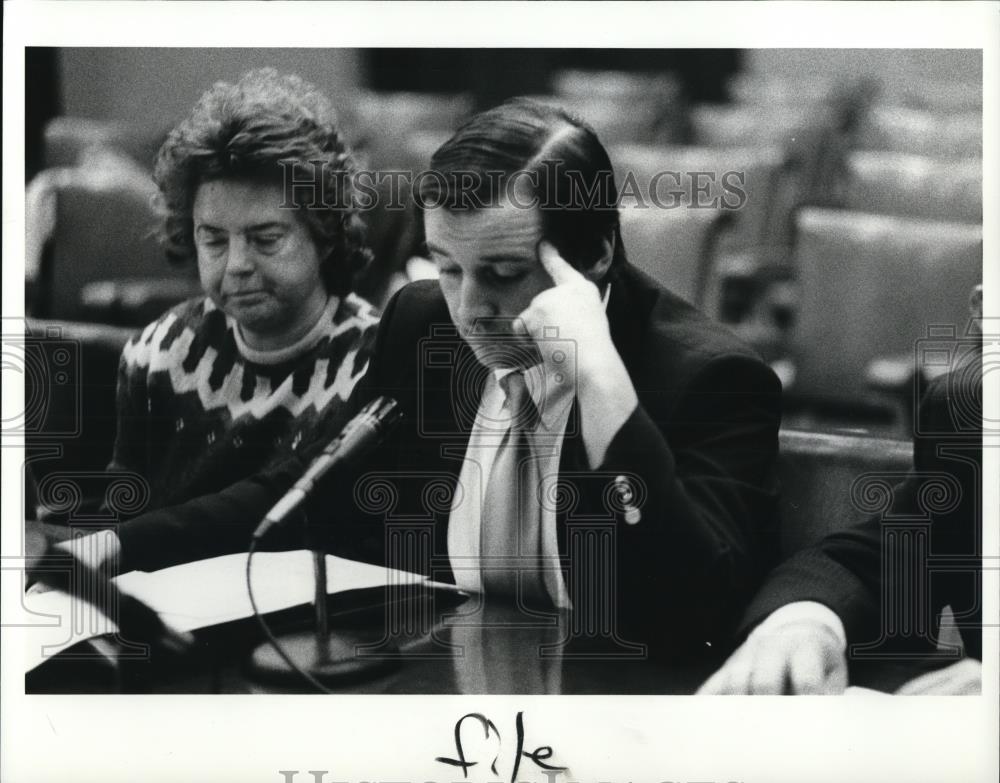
point(202, 594)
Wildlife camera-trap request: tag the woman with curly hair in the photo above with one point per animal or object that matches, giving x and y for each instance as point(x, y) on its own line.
point(256, 372)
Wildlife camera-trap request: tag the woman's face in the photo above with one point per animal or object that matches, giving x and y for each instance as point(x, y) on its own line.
point(257, 261)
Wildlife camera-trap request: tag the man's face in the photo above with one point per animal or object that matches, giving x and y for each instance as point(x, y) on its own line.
point(489, 273)
point(257, 262)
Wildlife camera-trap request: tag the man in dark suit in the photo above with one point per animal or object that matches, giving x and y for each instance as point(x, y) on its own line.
point(798, 628)
point(648, 425)
point(575, 435)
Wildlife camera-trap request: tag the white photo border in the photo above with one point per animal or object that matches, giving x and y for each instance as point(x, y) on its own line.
point(396, 738)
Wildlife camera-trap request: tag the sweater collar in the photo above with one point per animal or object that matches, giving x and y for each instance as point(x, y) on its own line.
point(289, 352)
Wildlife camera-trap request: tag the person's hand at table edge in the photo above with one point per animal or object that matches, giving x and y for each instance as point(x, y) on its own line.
point(794, 654)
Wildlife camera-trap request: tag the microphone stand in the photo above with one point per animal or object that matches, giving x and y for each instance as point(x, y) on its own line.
point(321, 656)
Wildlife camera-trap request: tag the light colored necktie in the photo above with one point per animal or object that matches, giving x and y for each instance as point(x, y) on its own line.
point(511, 517)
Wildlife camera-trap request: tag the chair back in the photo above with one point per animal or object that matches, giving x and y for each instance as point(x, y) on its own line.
point(820, 477)
point(916, 132)
point(913, 186)
point(748, 125)
point(872, 286)
point(68, 138)
point(673, 246)
point(381, 123)
point(746, 182)
point(104, 231)
point(942, 96)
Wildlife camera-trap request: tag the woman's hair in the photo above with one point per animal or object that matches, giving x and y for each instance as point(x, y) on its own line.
point(248, 130)
point(523, 146)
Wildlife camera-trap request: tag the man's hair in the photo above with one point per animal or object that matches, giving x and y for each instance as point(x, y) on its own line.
point(557, 156)
point(251, 130)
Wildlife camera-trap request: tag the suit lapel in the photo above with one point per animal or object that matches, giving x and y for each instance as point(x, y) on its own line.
point(625, 317)
point(449, 383)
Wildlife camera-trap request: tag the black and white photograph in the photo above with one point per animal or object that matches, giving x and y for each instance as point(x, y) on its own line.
point(445, 397)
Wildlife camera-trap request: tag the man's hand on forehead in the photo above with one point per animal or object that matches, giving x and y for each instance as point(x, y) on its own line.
point(569, 326)
point(557, 267)
point(571, 311)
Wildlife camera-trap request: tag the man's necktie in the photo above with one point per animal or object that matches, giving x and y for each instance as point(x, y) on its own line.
point(511, 518)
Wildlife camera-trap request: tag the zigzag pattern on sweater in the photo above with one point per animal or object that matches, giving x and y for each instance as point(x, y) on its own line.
point(193, 349)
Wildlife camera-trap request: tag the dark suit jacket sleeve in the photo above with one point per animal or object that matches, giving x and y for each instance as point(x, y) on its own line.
point(223, 522)
point(705, 468)
point(207, 526)
point(844, 571)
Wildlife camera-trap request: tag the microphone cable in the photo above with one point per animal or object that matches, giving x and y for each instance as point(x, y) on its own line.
point(365, 430)
point(271, 638)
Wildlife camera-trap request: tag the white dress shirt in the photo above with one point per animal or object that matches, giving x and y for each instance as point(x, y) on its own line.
point(553, 393)
point(554, 402)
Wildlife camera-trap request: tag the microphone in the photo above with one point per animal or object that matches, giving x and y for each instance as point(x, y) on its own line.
point(362, 433)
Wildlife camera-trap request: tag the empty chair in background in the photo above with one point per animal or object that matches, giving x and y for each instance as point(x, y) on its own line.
point(936, 79)
point(755, 124)
point(615, 84)
point(844, 96)
point(746, 181)
point(819, 119)
point(724, 197)
point(871, 286)
point(807, 120)
point(378, 124)
point(872, 183)
point(673, 246)
point(782, 90)
point(812, 115)
point(623, 106)
point(616, 120)
point(91, 250)
point(937, 95)
point(68, 138)
point(813, 138)
point(914, 186)
point(917, 132)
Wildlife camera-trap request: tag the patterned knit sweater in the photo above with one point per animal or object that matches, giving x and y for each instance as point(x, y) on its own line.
point(199, 410)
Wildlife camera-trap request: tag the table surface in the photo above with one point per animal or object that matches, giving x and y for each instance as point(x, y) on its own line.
point(437, 647)
point(465, 649)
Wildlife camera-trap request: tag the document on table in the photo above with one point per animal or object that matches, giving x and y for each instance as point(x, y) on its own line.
point(202, 594)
